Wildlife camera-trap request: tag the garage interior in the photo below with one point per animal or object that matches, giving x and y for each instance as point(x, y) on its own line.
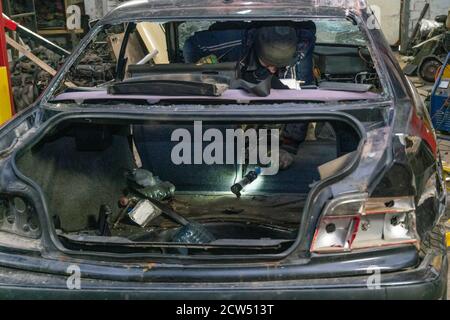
point(40, 34)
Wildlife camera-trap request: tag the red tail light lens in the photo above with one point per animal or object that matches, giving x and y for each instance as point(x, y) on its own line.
point(360, 222)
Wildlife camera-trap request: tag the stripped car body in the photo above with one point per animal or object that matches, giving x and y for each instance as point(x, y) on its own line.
point(395, 169)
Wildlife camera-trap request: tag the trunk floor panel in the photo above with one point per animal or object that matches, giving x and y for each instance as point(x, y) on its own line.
point(242, 214)
point(285, 209)
point(77, 183)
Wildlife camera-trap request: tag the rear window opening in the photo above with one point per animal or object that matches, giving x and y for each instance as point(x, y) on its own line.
point(162, 61)
point(156, 188)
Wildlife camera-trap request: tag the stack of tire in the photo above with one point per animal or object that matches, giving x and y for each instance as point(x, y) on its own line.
point(28, 80)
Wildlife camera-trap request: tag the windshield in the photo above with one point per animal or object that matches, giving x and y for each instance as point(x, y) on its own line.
point(339, 32)
point(179, 61)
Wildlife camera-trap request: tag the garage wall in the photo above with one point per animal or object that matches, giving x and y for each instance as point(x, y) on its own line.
point(437, 7)
point(387, 13)
point(96, 9)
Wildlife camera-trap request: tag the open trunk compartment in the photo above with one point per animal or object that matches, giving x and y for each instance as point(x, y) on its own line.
point(90, 173)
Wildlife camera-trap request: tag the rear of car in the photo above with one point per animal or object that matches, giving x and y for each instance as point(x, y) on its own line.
point(93, 204)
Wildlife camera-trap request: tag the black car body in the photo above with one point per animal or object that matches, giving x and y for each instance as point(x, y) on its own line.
point(394, 169)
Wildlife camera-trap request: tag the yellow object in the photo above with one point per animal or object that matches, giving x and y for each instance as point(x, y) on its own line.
point(446, 168)
point(446, 74)
point(5, 97)
point(211, 59)
point(448, 239)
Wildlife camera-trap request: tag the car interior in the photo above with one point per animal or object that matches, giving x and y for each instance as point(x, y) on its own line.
point(123, 56)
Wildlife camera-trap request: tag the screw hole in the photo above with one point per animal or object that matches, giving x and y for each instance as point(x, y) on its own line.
point(390, 204)
point(330, 228)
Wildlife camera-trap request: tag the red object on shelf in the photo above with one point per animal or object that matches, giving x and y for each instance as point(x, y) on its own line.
point(3, 52)
point(9, 24)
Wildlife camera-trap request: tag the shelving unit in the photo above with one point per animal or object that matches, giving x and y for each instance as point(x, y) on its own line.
point(60, 29)
point(22, 11)
point(56, 18)
point(46, 17)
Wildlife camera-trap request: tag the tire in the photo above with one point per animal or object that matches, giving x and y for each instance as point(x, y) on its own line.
point(428, 69)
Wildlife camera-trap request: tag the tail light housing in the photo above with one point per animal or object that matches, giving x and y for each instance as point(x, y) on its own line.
point(358, 222)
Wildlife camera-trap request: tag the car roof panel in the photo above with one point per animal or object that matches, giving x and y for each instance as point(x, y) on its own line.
point(237, 9)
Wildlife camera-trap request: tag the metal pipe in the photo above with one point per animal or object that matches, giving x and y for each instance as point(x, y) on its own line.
point(404, 25)
point(148, 57)
point(418, 24)
point(27, 33)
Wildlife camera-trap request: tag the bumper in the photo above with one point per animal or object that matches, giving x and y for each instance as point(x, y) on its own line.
point(428, 281)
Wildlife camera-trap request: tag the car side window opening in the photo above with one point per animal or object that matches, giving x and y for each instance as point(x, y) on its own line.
point(97, 65)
